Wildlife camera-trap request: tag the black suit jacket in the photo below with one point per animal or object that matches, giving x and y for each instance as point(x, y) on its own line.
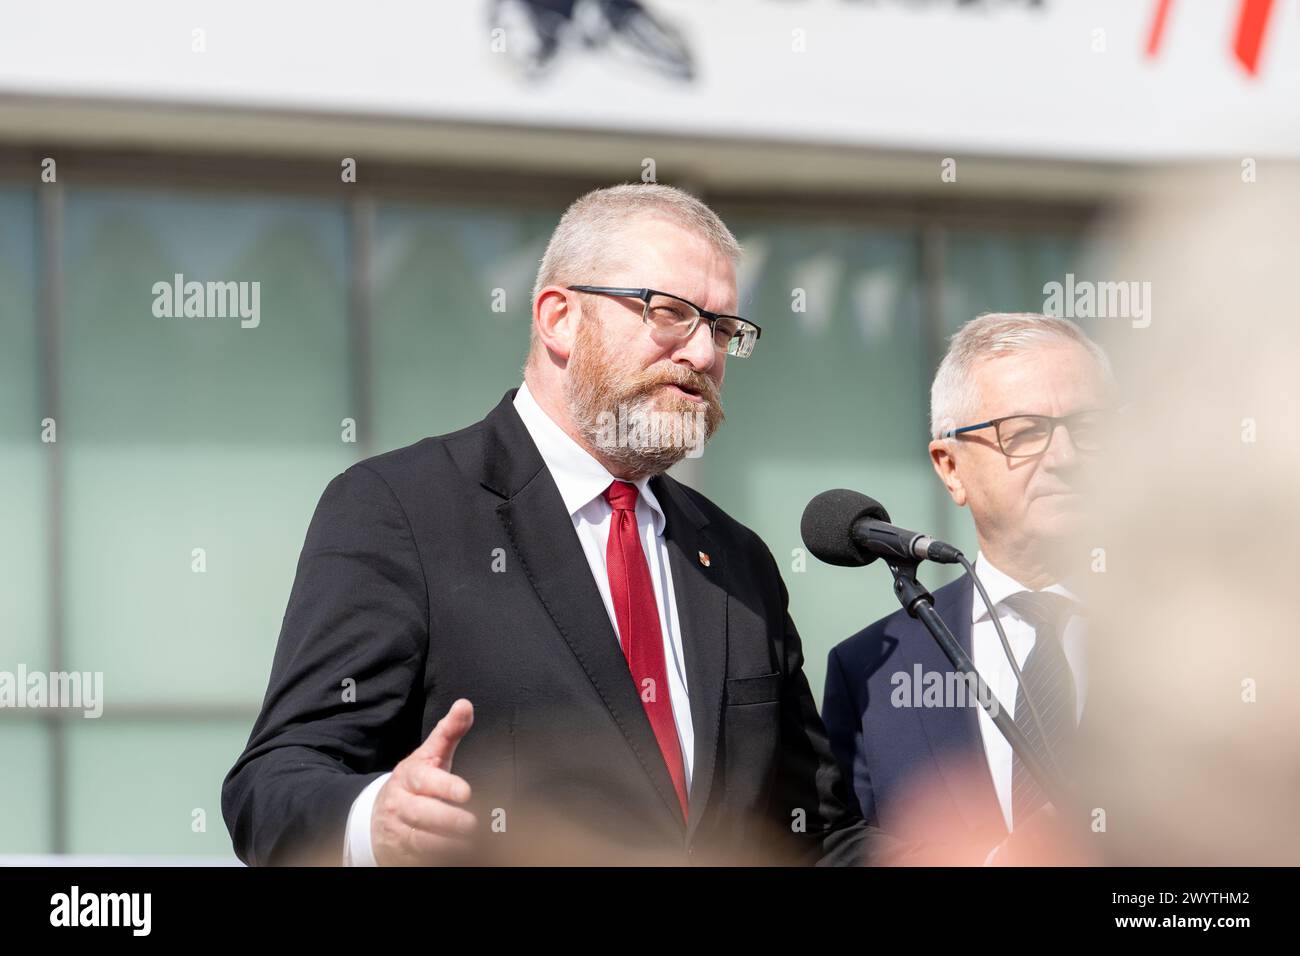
point(400, 588)
point(888, 752)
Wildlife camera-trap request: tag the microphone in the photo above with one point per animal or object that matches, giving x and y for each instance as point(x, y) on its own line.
point(848, 529)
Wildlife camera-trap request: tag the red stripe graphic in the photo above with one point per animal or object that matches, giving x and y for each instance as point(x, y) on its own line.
point(1252, 24)
point(1158, 26)
point(1250, 32)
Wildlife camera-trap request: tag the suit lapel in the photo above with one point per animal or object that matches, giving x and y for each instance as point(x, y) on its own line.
point(957, 729)
point(702, 612)
point(549, 553)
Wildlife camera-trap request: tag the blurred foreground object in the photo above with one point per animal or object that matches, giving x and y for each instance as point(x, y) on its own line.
point(1195, 751)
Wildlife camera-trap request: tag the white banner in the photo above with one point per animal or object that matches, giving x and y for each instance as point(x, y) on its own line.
point(1081, 79)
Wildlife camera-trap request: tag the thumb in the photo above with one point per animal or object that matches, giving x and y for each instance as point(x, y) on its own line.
point(440, 746)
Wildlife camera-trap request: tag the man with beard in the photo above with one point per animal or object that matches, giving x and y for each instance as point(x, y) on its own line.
point(605, 654)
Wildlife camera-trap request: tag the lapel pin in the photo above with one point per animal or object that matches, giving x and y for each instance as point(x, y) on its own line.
point(704, 559)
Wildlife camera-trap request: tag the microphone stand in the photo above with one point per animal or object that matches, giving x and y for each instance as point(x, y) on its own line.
point(919, 603)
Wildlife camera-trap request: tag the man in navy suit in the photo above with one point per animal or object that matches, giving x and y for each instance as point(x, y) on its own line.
point(1020, 407)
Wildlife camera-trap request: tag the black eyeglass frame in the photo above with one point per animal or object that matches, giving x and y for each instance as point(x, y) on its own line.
point(1052, 420)
point(645, 296)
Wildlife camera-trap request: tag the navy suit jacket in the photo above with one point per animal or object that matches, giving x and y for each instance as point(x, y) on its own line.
point(887, 752)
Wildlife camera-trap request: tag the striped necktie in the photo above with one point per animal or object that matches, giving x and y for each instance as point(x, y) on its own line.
point(1047, 678)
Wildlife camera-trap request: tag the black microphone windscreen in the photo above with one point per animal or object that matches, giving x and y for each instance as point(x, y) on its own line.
point(827, 526)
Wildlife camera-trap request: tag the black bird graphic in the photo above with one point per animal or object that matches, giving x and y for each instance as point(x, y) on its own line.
point(535, 29)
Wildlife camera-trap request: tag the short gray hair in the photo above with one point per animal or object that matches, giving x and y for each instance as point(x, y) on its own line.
point(954, 395)
point(591, 226)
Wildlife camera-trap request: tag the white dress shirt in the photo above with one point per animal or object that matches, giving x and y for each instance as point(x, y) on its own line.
point(991, 661)
point(582, 481)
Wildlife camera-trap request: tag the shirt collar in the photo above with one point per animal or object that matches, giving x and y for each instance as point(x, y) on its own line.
point(580, 477)
point(1001, 586)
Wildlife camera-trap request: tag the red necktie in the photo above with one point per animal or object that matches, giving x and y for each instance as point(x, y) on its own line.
point(637, 614)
